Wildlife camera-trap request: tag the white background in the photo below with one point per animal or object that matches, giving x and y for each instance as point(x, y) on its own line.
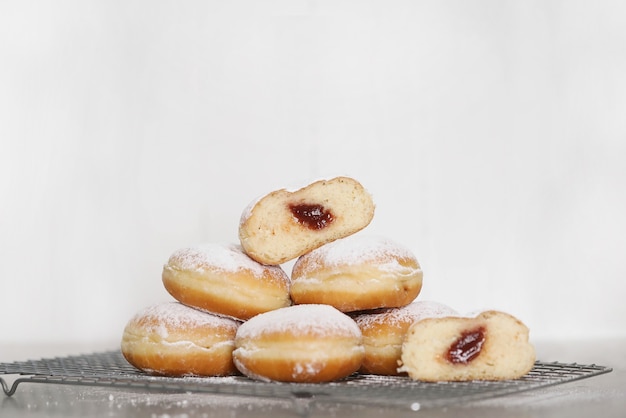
point(492, 135)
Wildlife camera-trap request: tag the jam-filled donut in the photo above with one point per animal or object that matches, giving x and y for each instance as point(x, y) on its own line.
point(490, 346)
point(283, 224)
point(303, 343)
point(171, 339)
point(357, 273)
point(384, 331)
point(222, 279)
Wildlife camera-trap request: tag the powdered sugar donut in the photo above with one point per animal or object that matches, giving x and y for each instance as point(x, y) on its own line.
point(357, 273)
point(172, 339)
point(493, 345)
point(284, 224)
point(304, 343)
point(222, 279)
point(384, 331)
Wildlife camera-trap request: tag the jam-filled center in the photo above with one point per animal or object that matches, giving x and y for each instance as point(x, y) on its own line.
point(467, 347)
point(313, 216)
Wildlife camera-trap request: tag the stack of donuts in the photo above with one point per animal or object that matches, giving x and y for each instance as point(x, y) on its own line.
point(350, 304)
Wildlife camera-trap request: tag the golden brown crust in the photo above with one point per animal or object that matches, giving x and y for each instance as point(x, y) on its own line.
point(369, 273)
point(304, 343)
point(307, 359)
point(383, 346)
point(384, 331)
point(174, 363)
point(175, 340)
point(238, 295)
point(272, 233)
point(242, 291)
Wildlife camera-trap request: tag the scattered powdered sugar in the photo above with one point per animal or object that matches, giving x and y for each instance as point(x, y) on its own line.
point(413, 312)
point(391, 266)
point(168, 404)
point(428, 309)
point(356, 249)
point(174, 315)
point(300, 320)
point(226, 257)
point(306, 369)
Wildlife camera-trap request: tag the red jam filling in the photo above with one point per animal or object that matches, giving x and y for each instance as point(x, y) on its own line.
point(312, 216)
point(467, 347)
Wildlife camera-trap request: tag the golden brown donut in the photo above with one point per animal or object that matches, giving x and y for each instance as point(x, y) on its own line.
point(222, 279)
point(284, 224)
point(490, 346)
point(303, 343)
point(171, 339)
point(384, 331)
point(357, 273)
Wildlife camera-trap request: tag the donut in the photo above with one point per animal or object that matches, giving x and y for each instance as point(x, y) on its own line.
point(490, 346)
point(171, 339)
point(283, 225)
point(300, 343)
point(222, 279)
point(384, 331)
point(357, 273)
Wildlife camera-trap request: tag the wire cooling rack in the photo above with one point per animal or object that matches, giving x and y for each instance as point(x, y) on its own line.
point(110, 369)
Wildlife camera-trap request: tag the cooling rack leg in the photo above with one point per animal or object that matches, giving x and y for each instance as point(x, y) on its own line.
point(10, 391)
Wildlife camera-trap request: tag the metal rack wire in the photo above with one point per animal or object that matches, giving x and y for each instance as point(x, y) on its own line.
point(110, 369)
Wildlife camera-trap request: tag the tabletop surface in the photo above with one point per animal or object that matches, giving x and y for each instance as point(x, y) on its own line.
point(604, 395)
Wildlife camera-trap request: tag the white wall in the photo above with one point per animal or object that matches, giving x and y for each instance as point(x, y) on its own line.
point(492, 135)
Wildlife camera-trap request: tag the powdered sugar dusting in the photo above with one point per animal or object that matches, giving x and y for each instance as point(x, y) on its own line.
point(226, 257)
point(300, 320)
point(356, 249)
point(174, 315)
point(413, 312)
point(306, 369)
